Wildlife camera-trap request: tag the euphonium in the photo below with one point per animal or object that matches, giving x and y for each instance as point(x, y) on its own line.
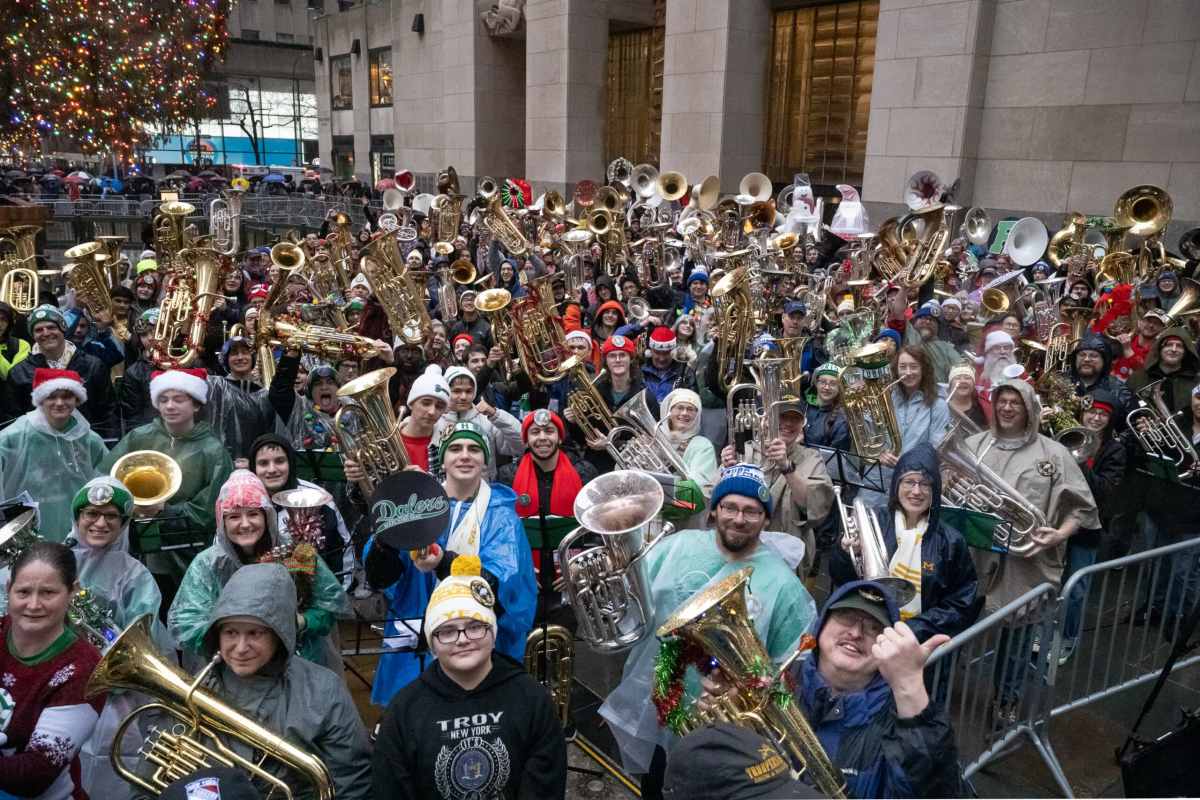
point(867, 396)
point(192, 740)
point(461, 272)
point(493, 304)
point(922, 263)
point(760, 417)
point(734, 323)
point(367, 428)
point(225, 222)
point(113, 266)
point(863, 540)
point(968, 482)
point(170, 229)
point(497, 222)
point(19, 288)
point(717, 620)
point(607, 585)
point(1156, 430)
point(1082, 443)
point(391, 283)
point(320, 340)
point(191, 289)
point(791, 378)
point(552, 647)
point(89, 279)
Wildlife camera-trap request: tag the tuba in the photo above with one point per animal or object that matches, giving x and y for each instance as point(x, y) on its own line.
point(392, 284)
point(151, 477)
point(606, 584)
point(192, 740)
point(922, 263)
point(550, 659)
point(1082, 443)
point(734, 323)
point(368, 430)
point(863, 540)
point(497, 222)
point(18, 266)
point(968, 482)
point(867, 395)
point(1068, 241)
point(493, 303)
point(717, 620)
point(89, 279)
point(170, 229)
point(225, 222)
point(538, 335)
point(192, 286)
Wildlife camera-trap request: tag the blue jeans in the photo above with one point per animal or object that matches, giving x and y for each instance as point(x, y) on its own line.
point(1176, 584)
point(1078, 557)
point(1014, 653)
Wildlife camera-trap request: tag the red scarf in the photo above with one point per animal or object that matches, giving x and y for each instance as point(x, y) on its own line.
point(562, 494)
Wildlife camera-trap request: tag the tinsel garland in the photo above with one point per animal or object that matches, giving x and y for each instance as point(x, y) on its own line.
point(670, 665)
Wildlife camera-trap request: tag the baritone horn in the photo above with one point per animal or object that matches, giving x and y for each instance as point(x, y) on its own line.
point(193, 739)
point(717, 620)
point(607, 584)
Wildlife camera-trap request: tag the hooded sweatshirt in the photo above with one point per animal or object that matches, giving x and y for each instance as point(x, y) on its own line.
point(1176, 389)
point(498, 740)
point(1105, 380)
point(879, 754)
point(303, 702)
point(1043, 473)
point(949, 600)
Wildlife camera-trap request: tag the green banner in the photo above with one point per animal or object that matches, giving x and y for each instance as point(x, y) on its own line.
point(978, 528)
point(1002, 229)
point(556, 529)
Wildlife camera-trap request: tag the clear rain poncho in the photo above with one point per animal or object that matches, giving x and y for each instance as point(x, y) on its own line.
point(239, 412)
point(678, 567)
point(51, 465)
point(212, 568)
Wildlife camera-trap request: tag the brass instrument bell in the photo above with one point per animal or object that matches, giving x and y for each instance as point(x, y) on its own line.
point(644, 181)
point(756, 185)
point(671, 186)
point(151, 477)
point(462, 272)
point(1145, 209)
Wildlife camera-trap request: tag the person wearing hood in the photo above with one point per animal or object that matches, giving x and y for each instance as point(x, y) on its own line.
point(247, 532)
point(679, 427)
point(483, 523)
point(1172, 360)
point(1166, 289)
point(13, 349)
point(863, 692)
point(51, 451)
point(253, 629)
point(678, 567)
point(52, 350)
point(125, 590)
point(515, 737)
point(697, 300)
point(1090, 369)
point(1045, 475)
point(238, 407)
point(179, 432)
point(133, 398)
point(610, 316)
point(273, 460)
point(923, 550)
point(307, 418)
point(93, 334)
point(500, 428)
point(605, 291)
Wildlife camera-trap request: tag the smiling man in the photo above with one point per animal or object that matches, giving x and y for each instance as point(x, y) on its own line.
point(545, 479)
point(515, 746)
point(680, 565)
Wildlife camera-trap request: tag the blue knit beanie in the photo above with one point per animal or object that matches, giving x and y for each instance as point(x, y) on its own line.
point(744, 479)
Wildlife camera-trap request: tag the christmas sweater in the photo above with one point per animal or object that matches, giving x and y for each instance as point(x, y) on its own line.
point(44, 718)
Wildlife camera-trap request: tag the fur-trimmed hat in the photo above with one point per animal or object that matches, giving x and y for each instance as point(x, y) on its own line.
point(48, 381)
point(192, 382)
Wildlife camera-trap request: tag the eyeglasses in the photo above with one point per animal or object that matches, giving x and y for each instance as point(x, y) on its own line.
point(849, 618)
point(749, 514)
point(94, 516)
point(474, 632)
point(913, 484)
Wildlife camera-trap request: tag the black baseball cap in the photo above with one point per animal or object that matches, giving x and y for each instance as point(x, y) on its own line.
point(727, 762)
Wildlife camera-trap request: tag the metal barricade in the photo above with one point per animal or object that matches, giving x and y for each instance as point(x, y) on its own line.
point(995, 686)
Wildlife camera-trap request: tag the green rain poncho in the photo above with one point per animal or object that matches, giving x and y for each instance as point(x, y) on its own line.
point(212, 568)
point(51, 465)
point(205, 464)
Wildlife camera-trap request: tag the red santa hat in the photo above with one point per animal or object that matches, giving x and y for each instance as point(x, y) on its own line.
point(48, 381)
point(192, 382)
point(662, 339)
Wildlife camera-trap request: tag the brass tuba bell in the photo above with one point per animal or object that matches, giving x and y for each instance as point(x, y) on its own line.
point(1145, 209)
point(151, 477)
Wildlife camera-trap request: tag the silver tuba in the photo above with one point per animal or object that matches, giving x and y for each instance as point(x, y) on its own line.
point(225, 222)
point(607, 584)
point(862, 539)
point(968, 482)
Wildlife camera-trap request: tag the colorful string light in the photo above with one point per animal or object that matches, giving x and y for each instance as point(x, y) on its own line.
point(98, 73)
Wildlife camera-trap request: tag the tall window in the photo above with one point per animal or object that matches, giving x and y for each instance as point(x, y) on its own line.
point(633, 118)
point(341, 83)
point(381, 76)
point(819, 92)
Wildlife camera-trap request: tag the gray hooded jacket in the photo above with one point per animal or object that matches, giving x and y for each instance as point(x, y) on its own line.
point(303, 702)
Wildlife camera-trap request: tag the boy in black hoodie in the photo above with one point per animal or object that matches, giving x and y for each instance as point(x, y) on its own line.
point(475, 724)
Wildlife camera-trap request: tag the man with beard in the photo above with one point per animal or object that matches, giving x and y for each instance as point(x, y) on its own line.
point(678, 567)
point(999, 352)
point(664, 374)
point(953, 326)
point(1045, 475)
point(410, 365)
point(1173, 361)
point(925, 330)
point(1089, 371)
point(1136, 346)
point(237, 407)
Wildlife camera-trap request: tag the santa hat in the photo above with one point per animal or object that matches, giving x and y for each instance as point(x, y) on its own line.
point(662, 339)
point(469, 339)
point(48, 381)
point(997, 338)
point(542, 417)
point(260, 292)
point(464, 594)
point(429, 384)
point(579, 334)
point(192, 382)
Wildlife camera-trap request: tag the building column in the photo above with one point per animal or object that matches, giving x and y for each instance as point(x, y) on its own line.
point(931, 68)
point(566, 52)
point(713, 88)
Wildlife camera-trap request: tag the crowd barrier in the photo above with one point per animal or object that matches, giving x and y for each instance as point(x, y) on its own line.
point(1002, 678)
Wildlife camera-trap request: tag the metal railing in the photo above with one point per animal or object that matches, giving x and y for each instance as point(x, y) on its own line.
point(1051, 652)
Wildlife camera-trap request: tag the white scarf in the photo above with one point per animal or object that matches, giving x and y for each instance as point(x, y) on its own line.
point(62, 361)
point(906, 562)
point(464, 532)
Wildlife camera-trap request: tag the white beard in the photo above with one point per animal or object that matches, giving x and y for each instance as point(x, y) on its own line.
point(993, 367)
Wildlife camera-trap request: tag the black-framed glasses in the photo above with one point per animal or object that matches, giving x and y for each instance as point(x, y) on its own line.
point(93, 516)
point(474, 632)
point(750, 514)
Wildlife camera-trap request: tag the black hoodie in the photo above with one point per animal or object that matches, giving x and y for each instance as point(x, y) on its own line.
point(1106, 381)
point(498, 740)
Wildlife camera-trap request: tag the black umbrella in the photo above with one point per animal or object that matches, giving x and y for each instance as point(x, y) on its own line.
point(208, 173)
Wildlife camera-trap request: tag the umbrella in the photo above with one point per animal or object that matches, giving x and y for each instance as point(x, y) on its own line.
point(74, 179)
point(324, 168)
point(140, 184)
point(217, 179)
point(384, 184)
point(113, 184)
point(273, 177)
point(195, 185)
point(13, 174)
point(208, 173)
point(50, 178)
point(80, 174)
point(57, 172)
point(179, 174)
